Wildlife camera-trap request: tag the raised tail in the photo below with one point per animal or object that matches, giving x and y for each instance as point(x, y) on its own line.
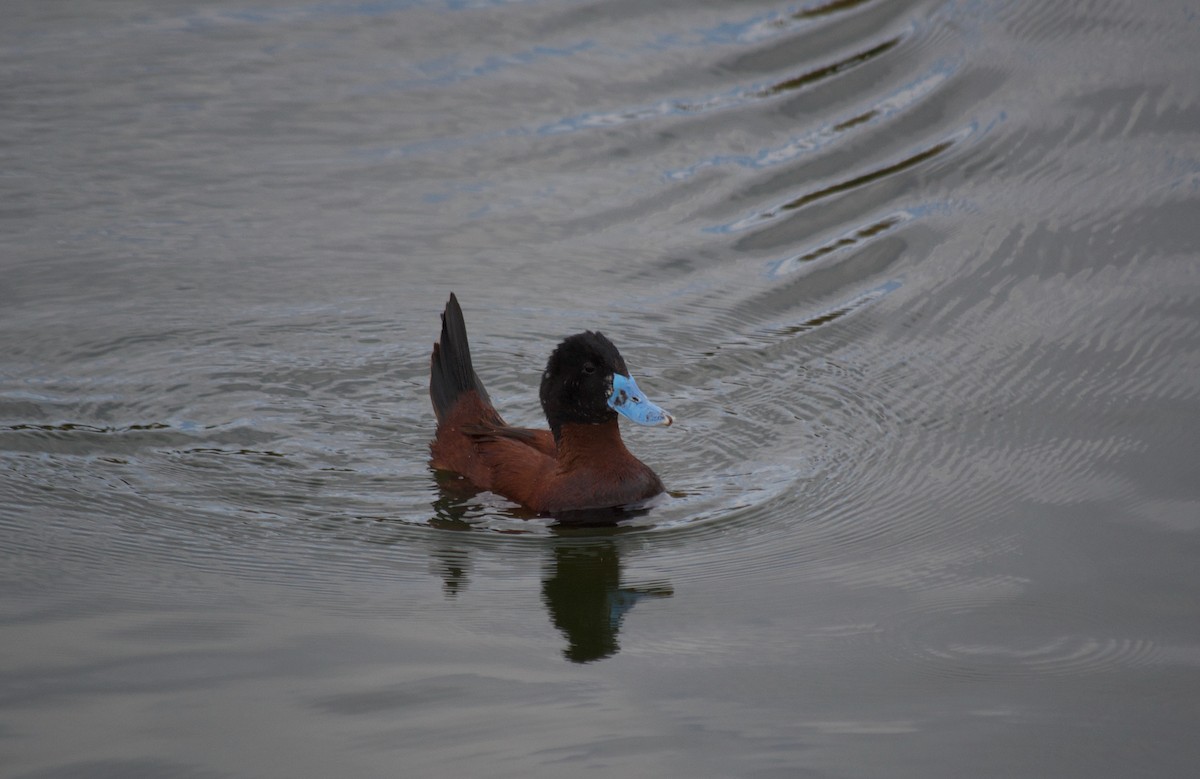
point(450, 371)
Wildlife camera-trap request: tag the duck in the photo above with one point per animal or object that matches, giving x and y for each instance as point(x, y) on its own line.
point(580, 463)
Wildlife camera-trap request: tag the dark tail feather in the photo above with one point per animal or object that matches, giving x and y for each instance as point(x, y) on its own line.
point(450, 370)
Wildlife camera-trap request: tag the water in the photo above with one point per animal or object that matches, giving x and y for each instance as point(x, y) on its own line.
point(918, 280)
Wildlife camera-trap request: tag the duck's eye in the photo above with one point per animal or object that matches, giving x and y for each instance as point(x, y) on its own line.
point(588, 368)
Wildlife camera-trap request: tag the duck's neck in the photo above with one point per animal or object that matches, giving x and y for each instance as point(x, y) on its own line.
point(590, 443)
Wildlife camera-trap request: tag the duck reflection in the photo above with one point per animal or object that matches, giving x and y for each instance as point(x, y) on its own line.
point(582, 586)
point(583, 592)
point(451, 565)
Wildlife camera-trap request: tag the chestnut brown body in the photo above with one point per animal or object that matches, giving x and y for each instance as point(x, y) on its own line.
point(580, 463)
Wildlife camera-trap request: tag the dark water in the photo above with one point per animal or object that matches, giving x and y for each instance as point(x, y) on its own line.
point(919, 280)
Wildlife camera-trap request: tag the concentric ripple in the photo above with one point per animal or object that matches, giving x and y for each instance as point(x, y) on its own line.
point(1011, 640)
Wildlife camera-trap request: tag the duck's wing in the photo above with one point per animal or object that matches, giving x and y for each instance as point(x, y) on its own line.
point(541, 440)
point(515, 462)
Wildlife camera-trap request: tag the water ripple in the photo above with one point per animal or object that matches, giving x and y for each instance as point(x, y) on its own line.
point(1010, 640)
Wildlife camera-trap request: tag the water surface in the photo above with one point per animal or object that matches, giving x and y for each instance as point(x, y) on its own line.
point(918, 280)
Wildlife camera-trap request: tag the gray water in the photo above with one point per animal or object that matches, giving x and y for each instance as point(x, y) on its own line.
point(919, 280)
